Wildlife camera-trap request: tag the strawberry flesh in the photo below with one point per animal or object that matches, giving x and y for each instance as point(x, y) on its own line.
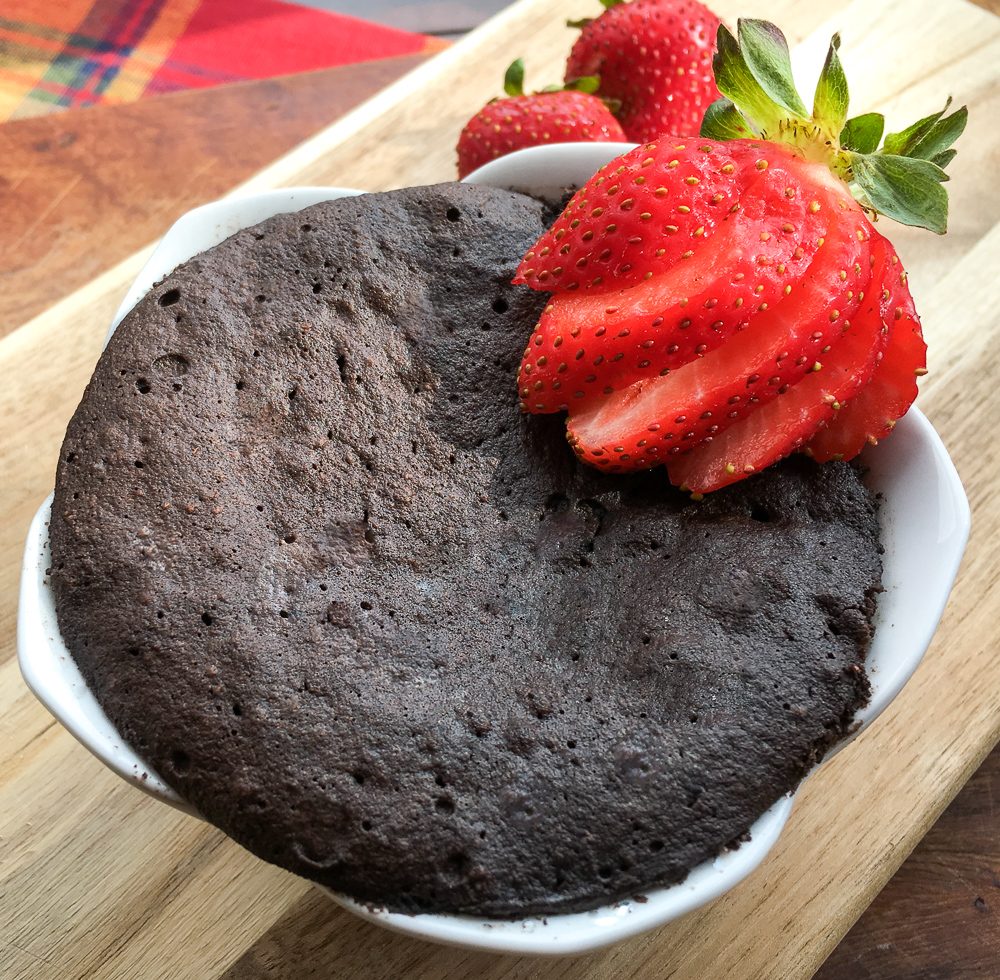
point(785, 424)
point(873, 413)
point(591, 342)
point(652, 421)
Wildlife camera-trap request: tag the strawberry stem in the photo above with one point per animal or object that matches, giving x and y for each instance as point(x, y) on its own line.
point(902, 179)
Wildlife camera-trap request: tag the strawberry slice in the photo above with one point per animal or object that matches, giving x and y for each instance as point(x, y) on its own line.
point(589, 343)
point(873, 413)
point(782, 426)
point(656, 419)
point(606, 235)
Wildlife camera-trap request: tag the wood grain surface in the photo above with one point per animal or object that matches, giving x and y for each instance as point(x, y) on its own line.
point(84, 189)
point(97, 881)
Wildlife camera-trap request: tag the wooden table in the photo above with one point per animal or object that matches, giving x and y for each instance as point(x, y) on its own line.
point(95, 881)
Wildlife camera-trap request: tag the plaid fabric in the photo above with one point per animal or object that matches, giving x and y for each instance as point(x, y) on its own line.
point(55, 54)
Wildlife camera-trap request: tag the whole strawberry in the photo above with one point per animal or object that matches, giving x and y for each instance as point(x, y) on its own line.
point(721, 301)
point(655, 57)
point(504, 125)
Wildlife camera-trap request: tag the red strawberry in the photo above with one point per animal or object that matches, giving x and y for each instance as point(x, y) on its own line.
point(655, 56)
point(786, 423)
point(505, 125)
point(653, 421)
point(763, 210)
point(872, 415)
point(717, 305)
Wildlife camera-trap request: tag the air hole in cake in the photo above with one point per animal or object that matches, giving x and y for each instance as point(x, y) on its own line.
point(458, 862)
point(237, 710)
point(453, 214)
point(440, 781)
point(444, 805)
point(500, 305)
point(143, 386)
point(170, 297)
point(289, 539)
point(171, 365)
point(456, 252)
point(760, 514)
point(605, 871)
point(646, 640)
point(318, 287)
point(342, 368)
point(358, 778)
point(283, 614)
point(292, 393)
point(656, 845)
point(261, 298)
point(181, 761)
point(206, 619)
point(366, 605)
point(366, 825)
point(260, 506)
point(240, 385)
point(134, 651)
point(370, 536)
point(178, 387)
point(322, 586)
point(138, 464)
point(307, 227)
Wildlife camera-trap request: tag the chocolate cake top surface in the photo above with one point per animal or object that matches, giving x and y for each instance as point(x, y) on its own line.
point(385, 631)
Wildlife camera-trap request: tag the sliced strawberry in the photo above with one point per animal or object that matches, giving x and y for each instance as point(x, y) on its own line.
point(596, 341)
point(656, 419)
point(873, 413)
point(786, 423)
point(607, 234)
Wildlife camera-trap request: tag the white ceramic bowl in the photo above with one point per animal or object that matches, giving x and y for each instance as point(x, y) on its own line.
point(925, 525)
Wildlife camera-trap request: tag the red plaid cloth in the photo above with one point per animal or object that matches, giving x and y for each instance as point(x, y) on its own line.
point(55, 54)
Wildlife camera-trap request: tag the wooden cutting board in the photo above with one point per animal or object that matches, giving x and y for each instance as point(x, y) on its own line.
point(98, 881)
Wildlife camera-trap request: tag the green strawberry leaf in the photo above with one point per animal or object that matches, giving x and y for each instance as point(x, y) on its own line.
point(723, 121)
point(765, 52)
point(832, 98)
point(588, 84)
point(941, 135)
point(900, 144)
point(736, 82)
point(579, 24)
point(944, 158)
point(862, 133)
point(608, 4)
point(903, 188)
point(513, 80)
